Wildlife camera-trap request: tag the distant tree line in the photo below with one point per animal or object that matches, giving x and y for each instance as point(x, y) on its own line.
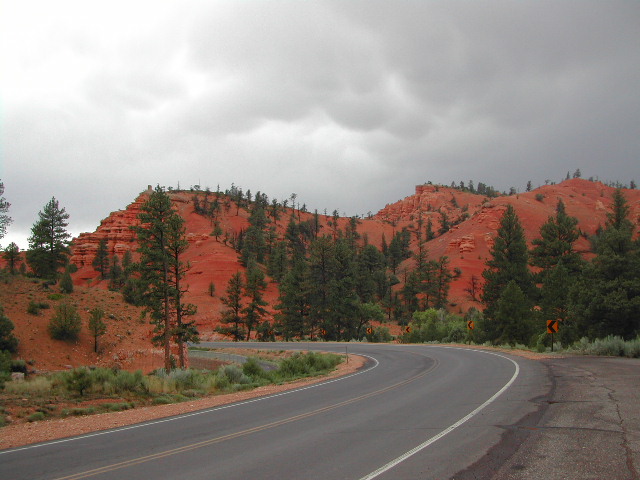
point(332, 282)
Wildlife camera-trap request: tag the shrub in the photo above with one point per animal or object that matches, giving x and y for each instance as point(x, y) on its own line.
point(608, 346)
point(36, 417)
point(66, 284)
point(311, 363)
point(539, 197)
point(78, 380)
point(252, 368)
point(66, 323)
point(34, 307)
point(230, 375)
point(130, 382)
point(78, 411)
point(380, 335)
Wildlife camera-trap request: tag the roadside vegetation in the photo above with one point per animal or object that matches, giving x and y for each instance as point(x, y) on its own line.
point(86, 391)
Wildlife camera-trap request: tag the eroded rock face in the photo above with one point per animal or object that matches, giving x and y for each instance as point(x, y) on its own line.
point(475, 220)
point(116, 229)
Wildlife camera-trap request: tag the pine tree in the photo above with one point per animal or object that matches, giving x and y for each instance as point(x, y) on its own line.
point(116, 274)
point(49, 241)
point(101, 260)
point(321, 258)
point(606, 299)
point(344, 302)
point(8, 341)
point(508, 262)
point(558, 236)
point(293, 301)
point(277, 263)
point(513, 316)
point(177, 245)
point(66, 283)
point(65, 323)
point(232, 316)
point(254, 246)
point(254, 290)
point(370, 269)
point(97, 327)
point(12, 255)
point(443, 277)
point(154, 267)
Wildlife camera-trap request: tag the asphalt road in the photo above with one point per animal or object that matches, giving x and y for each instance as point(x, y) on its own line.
point(412, 412)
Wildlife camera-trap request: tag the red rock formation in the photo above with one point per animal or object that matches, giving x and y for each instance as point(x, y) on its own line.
point(116, 230)
point(467, 244)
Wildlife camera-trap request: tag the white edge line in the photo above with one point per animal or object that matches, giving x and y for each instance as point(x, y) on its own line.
point(449, 429)
point(193, 414)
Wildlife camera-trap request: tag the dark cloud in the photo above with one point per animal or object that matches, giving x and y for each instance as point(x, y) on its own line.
point(347, 104)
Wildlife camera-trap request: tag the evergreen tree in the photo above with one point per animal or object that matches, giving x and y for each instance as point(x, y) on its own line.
point(154, 267)
point(8, 341)
point(445, 225)
point(5, 219)
point(430, 235)
point(293, 301)
point(101, 260)
point(558, 236)
point(254, 246)
point(232, 316)
point(66, 283)
point(254, 289)
point(116, 274)
point(508, 262)
point(513, 316)
point(97, 327)
point(443, 277)
point(321, 259)
point(606, 299)
point(277, 264)
point(49, 241)
point(344, 301)
point(12, 255)
point(65, 323)
point(370, 273)
point(177, 245)
point(410, 292)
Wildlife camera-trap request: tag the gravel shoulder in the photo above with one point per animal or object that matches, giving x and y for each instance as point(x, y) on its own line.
point(28, 433)
point(587, 426)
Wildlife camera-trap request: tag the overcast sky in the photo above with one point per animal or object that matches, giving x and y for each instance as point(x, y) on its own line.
point(348, 104)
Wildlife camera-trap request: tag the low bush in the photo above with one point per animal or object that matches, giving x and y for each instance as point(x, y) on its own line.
point(609, 346)
point(305, 364)
point(34, 307)
point(36, 417)
point(66, 323)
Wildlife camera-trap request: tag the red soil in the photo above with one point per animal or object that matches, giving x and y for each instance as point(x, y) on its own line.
point(127, 342)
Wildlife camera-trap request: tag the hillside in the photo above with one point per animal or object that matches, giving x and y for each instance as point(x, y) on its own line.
point(466, 244)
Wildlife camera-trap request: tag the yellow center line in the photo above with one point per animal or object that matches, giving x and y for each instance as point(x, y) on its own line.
point(231, 436)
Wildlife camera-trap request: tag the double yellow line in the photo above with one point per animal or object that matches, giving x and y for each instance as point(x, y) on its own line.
point(231, 436)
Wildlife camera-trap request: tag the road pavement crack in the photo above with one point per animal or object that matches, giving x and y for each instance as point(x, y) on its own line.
point(625, 437)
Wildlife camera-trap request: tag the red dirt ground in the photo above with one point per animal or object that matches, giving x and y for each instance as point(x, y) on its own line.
point(127, 342)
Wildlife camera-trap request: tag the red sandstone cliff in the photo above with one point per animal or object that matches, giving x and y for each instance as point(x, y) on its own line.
point(467, 244)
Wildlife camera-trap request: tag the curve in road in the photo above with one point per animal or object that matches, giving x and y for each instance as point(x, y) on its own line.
point(414, 412)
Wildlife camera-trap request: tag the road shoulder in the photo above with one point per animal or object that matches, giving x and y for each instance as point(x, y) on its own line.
point(587, 426)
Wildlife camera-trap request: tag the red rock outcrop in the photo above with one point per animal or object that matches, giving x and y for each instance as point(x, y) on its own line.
point(467, 244)
point(116, 230)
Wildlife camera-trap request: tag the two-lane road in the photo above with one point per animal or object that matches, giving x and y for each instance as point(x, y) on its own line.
point(411, 412)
